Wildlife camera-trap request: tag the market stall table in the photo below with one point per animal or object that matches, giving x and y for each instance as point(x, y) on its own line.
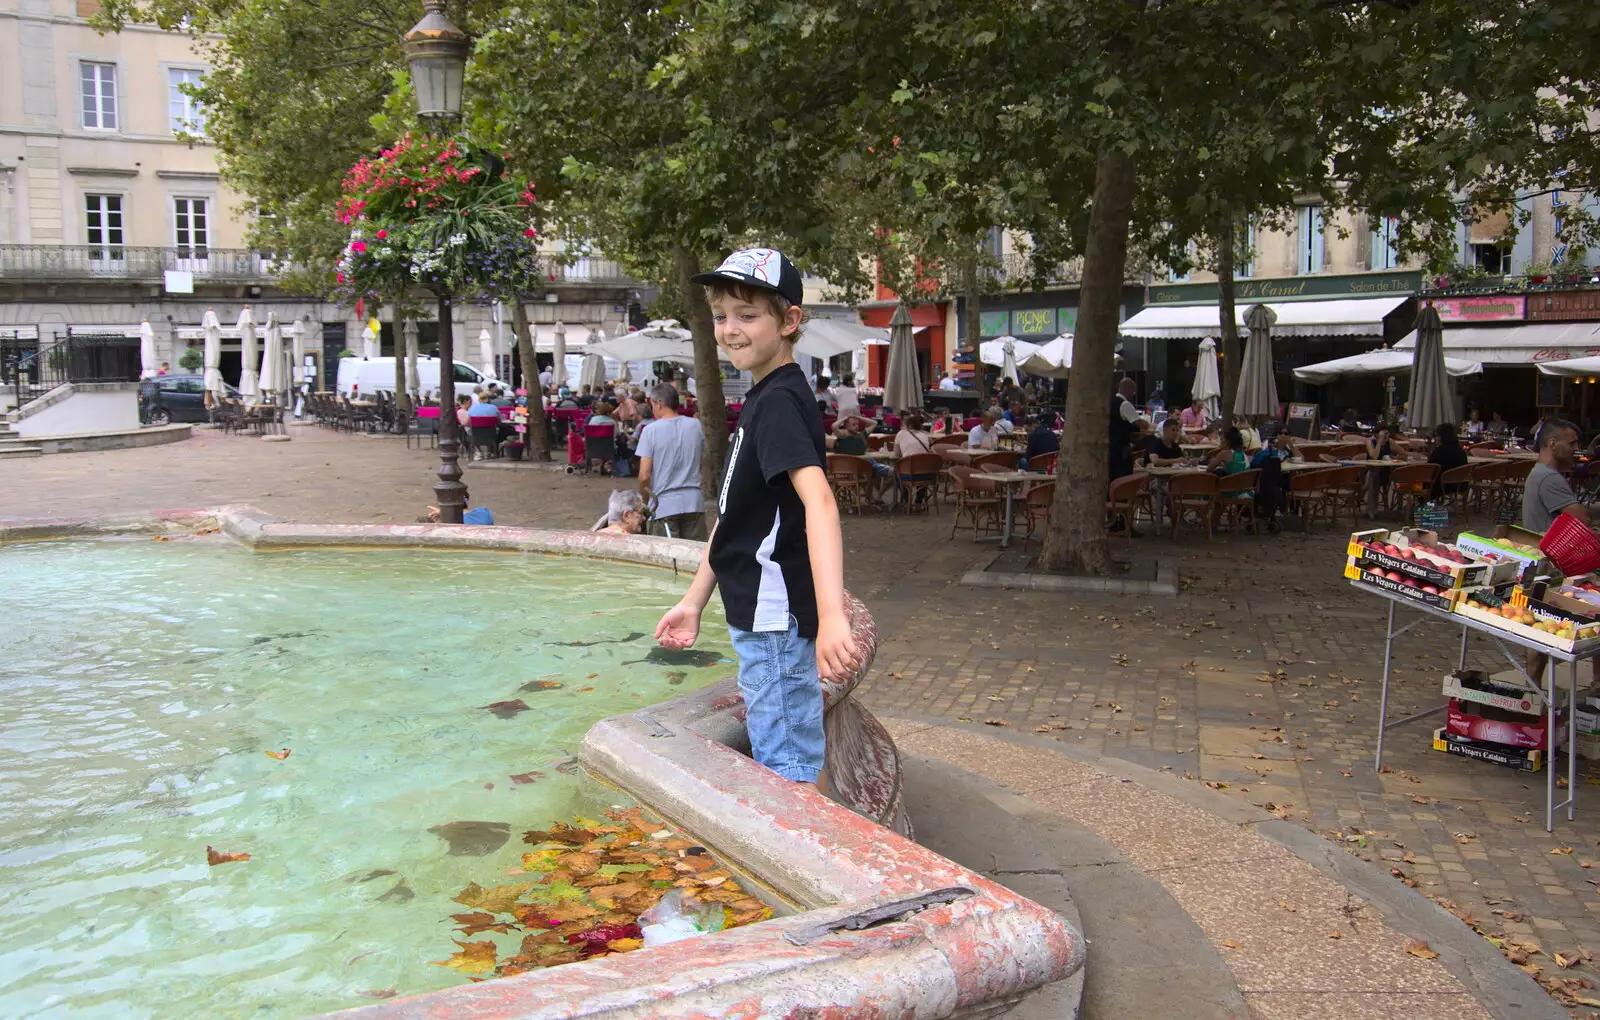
point(1501, 638)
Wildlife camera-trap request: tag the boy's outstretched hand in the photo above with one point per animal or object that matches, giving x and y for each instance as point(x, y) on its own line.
point(836, 650)
point(679, 627)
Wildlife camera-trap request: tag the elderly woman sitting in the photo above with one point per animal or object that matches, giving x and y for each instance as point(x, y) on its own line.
point(625, 514)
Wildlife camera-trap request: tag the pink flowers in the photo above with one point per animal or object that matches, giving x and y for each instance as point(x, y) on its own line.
point(530, 232)
point(383, 235)
point(358, 247)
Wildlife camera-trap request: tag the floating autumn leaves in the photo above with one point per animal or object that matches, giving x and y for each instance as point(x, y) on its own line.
point(280, 755)
point(594, 880)
point(214, 858)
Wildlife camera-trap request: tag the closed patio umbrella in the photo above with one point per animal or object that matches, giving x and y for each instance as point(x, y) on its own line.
point(216, 389)
point(413, 379)
point(558, 370)
point(297, 365)
point(1431, 402)
point(1258, 389)
point(902, 389)
point(249, 358)
point(272, 375)
point(148, 366)
point(372, 339)
point(1207, 383)
point(593, 374)
point(486, 353)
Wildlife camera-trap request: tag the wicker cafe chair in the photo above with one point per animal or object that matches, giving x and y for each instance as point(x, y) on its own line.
point(917, 479)
point(1009, 458)
point(978, 502)
point(851, 479)
point(1124, 499)
point(1484, 486)
point(1045, 463)
point(1308, 492)
point(1037, 503)
point(1512, 479)
point(1410, 484)
point(1192, 494)
point(1455, 487)
point(1236, 498)
point(1345, 489)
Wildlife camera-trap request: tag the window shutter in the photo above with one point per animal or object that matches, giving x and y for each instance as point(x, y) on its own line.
point(1366, 242)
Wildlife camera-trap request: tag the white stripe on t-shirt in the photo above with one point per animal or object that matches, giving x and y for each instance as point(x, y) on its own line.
point(772, 595)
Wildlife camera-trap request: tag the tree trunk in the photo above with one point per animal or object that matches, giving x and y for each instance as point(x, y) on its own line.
point(1231, 361)
point(1076, 539)
point(402, 396)
point(711, 408)
point(971, 315)
point(538, 439)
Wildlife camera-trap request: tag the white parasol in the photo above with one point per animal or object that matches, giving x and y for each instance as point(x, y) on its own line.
point(272, 375)
point(147, 351)
point(1207, 382)
point(413, 380)
point(212, 328)
point(297, 364)
point(1052, 360)
point(558, 369)
point(249, 358)
point(486, 353)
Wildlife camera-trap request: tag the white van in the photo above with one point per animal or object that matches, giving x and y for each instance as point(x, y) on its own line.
point(371, 375)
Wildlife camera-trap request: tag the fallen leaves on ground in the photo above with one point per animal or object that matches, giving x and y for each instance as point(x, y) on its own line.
point(379, 993)
point(592, 880)
point(1420, 949)
point(215, 858)
point(280, 755)
point(506, 709)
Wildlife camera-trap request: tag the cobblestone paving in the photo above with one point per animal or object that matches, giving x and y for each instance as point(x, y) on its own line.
point(1261, 677)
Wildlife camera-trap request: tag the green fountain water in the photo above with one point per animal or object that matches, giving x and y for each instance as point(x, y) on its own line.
point(141, 684)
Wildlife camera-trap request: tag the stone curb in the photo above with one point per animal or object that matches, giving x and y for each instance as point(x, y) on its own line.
point(1503, 989)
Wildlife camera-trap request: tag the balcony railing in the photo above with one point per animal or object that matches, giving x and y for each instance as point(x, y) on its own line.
point(591, 271)
point(1016, 270)
point(83, 262)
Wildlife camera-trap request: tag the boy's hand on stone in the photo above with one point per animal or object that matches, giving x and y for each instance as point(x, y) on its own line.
point(679, 627)
point(836, 650)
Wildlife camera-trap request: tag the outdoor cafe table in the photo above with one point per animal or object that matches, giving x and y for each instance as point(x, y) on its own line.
point(1012, 479)
point(1506, 640)
point(958, 454)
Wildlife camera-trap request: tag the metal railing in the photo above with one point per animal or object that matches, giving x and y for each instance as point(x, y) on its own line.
point(33, 368)
point(57, 262)
point(594, 271)
point(1016, 270)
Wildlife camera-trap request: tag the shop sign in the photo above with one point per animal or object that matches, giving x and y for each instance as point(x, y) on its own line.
point(994, 323)
point(1291, 288)
point(1481, 309)
point(1033, 321)
point(1066, 320)
point(1565, 353)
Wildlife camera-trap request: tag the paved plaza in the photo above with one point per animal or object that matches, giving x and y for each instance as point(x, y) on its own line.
point(1259, 680)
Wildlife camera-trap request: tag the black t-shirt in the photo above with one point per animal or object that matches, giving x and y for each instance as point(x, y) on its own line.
point(1155, 447)
point(759, 551)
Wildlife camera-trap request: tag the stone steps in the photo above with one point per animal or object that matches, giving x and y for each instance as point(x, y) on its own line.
point(17, 452)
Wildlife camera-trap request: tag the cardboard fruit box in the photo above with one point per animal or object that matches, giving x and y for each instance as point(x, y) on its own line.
point(1416, 557)
point(1443, 599)
point(1471, 685)
point(1549, 599)
point(1510, 541)
point(1484, 724)
point(1472, 611)
point(1525, 760)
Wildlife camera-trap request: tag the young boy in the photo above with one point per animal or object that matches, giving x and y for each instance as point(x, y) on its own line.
point(775, 549)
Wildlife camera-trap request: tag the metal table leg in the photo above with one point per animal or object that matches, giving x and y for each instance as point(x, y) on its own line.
point(1005, 534)
point(1383, 702)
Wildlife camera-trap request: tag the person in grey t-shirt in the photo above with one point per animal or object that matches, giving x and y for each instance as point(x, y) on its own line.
point(669, 468)
point(1546, 492)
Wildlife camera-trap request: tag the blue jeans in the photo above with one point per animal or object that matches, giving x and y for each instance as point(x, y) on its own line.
point(782, 698)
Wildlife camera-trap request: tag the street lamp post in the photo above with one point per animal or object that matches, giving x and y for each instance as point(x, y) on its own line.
point(437, 52)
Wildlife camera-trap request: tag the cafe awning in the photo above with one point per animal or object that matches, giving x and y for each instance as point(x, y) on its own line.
point(1379, 362)
point(1520, 343)
point(1342, 317)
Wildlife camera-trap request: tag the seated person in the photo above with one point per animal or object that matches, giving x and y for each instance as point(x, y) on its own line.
point(1381, 445)
point(565, 400)
point(628, 408)
point(462, 403)
point(1280, 449)
point(848, 437)
point(1194, 418)
point(1497, 426)
point(1350, 422)
point(1252, 438)
point(1229, 460)
point(983, 435)
point(1448, 454)
point(602, 415)
point(625, 514)
point(1164, 449)
point(585, 397)
point(912, 438)
point(1042, 439)
point(943, 423)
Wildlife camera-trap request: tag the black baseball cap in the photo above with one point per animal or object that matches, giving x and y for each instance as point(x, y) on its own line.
point(766, 268)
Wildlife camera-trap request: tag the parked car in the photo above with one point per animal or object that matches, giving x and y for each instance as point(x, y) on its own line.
point(175, 398)
point(366, 376)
